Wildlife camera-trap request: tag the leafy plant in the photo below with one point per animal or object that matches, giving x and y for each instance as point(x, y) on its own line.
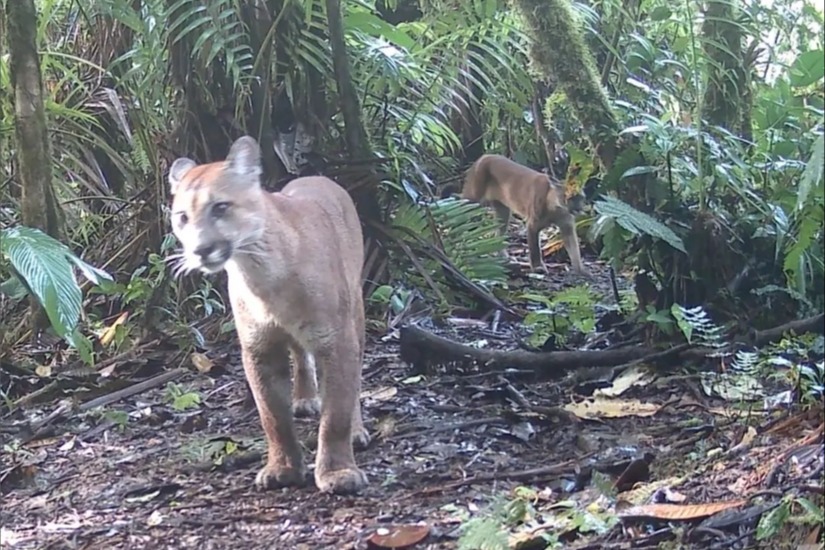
point(570, 309)
point(46, 266)
point(181, 399)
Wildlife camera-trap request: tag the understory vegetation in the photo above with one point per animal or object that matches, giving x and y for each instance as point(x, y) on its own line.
point(695, 130)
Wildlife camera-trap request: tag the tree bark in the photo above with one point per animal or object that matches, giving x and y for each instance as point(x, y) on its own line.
point(559, 51)
point(728, 82)
point(38, 204)
point(354, 133)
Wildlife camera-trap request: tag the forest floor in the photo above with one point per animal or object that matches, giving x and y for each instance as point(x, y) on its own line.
point(445, 445)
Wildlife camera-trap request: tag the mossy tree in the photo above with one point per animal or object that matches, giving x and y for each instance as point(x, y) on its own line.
point(726, 99)
point(38, 204)
point(559, 52)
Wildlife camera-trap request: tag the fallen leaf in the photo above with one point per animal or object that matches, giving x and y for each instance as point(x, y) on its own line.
point(109, 332)
point(679, 512)
point(611, 408)
point(398, 536)
point(413, 379)
point(154, 519)
point(380, 394)
point(43, 371)
point(635, 376)
point(201, 362)
point(732, 387)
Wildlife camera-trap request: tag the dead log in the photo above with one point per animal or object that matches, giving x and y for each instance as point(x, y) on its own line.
point(815, 324)
point(423, 349)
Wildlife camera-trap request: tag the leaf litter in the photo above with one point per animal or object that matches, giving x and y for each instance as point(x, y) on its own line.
point(456, 455)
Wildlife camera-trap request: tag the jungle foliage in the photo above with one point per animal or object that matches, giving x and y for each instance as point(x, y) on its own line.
point(714, 189)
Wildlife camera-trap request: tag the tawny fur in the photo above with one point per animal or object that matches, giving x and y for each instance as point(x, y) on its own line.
point(510, 187)
point(293, 261)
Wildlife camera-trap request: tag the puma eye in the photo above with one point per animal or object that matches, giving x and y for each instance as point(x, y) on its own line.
point(219, 209)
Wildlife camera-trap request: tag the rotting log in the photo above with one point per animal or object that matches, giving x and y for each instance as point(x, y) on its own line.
point(421, 348)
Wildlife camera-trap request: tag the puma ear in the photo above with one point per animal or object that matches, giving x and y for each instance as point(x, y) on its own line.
point(244, 158)
point(178, 170)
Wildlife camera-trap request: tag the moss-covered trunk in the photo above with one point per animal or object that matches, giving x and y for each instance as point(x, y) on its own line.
point(38, 203)
point(559, 51)
point(728, 86)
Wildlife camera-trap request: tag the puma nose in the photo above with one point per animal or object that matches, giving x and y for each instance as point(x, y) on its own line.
point(205, 250)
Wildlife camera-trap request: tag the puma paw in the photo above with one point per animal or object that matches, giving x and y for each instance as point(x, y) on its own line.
point(360, 439)
point(341, 482)
point(270, 477)
point(307, 408)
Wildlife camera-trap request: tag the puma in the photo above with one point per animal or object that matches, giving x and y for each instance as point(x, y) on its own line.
point(510, 187)
point(293, 261)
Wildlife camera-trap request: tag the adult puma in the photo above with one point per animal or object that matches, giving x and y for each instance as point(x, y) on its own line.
point(534, 196)
point(293, 261)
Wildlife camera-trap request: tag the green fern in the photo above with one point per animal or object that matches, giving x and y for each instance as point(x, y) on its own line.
point(216, 30)
point(467, 232)
point(746, 361)
point(636, 222)
point(697, 327)
point(483, 534)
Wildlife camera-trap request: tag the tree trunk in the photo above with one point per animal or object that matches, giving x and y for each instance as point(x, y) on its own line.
point(559, 51)
point(727, 79)
point(354, 133)
point(37, 203)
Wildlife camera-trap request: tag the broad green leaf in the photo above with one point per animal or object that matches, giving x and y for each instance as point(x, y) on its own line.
point(638, 222)
point(43, 262)
point(812, 177)
point(638, 171)
point(47, 267)
point(808, 68)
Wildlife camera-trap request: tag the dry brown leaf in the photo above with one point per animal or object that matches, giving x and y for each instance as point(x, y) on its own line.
point(398, 536)
point(108, 333)
point(611, 408)
point(642, 492)
point(634, 376)
point(203, 363)
point(380, 394)
point(43, 371)
point(679, 512)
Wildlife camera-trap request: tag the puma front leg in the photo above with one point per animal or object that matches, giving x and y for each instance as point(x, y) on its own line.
point(567, 227)
point(266, 363)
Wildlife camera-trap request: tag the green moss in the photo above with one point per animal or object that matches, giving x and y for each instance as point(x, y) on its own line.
point(559, 51)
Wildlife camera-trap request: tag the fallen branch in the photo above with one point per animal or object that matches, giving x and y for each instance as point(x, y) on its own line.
point(814, 324)
point(421, 349)
point(65, 410)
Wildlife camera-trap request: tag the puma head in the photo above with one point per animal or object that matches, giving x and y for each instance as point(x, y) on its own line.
point(217, 208)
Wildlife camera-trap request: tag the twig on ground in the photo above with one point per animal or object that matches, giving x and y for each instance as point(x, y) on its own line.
point(448, 427)
point(531, 474)
point(64, 411)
